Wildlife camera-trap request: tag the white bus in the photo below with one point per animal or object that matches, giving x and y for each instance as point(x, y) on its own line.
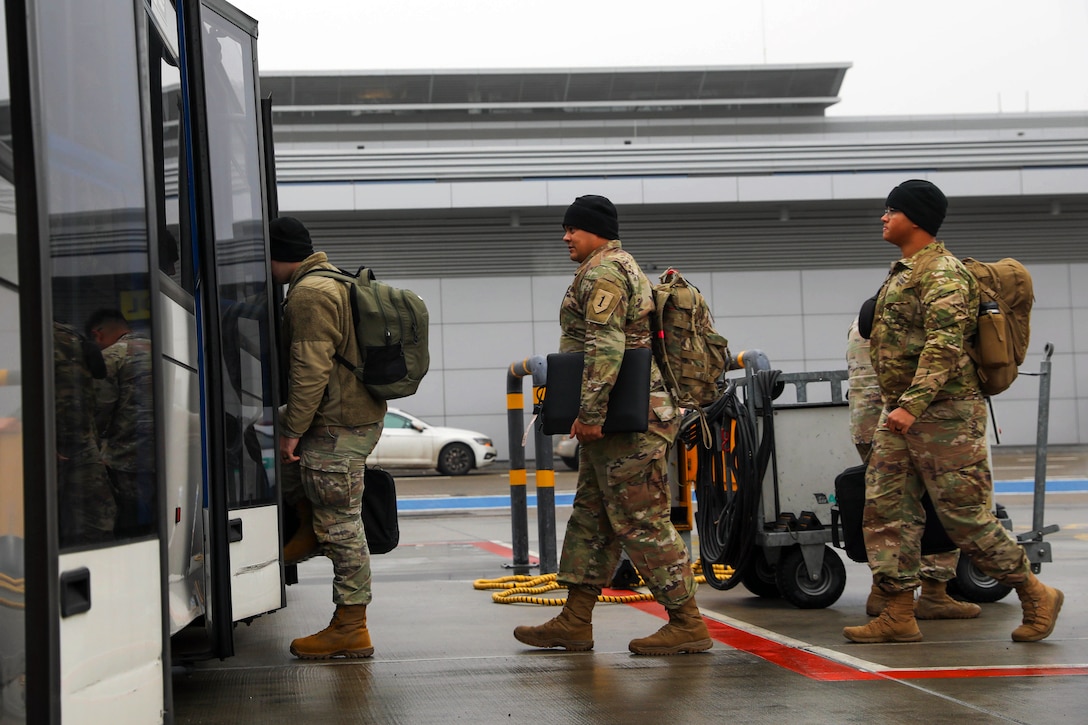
point(136, 528)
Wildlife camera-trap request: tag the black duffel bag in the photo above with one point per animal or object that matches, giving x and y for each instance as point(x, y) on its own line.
point(380, 510)
point(850, 498)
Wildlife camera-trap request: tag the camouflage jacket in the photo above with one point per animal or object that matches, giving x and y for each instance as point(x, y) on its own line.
point(605, 311)
point(925, 313)
point(865, 400)
point(125, 408)
point(77, 436)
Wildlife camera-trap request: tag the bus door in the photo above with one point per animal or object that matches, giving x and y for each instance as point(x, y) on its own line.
point(237, 339)
point(80, 271)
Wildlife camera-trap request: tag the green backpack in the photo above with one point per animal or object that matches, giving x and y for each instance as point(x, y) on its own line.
point(391, 327)
point(690, 352)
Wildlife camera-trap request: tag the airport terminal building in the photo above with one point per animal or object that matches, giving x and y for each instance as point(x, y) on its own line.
point(454, 184)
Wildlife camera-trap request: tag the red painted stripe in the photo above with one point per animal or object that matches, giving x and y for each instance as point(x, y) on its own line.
point(500, 549)
point(820, 668)
point(796, 660)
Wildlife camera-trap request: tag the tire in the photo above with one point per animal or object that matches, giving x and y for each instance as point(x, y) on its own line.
point(456, 459)
point(571, 463)
point(759, 577)
point(791, 574)
point(972, 585)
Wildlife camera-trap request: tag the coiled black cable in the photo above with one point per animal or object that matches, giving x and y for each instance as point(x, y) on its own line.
point(728, 483)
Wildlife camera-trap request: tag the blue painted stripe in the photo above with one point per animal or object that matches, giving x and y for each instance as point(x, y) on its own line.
point(462, 503)
point(458, 503)
point(1062, 485)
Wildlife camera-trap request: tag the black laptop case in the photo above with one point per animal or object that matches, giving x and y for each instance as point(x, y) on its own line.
point(628, 403)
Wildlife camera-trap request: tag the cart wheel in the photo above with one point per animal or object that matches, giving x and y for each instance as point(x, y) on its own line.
point(974, 586)
point(804, 593)
point(759, 577)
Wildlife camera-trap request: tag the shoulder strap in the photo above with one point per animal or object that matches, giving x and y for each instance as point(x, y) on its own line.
point(347, 278)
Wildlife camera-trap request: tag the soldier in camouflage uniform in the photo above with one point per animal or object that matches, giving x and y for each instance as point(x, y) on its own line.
point(87, 509)
point(125, 415)
point(931, 435)
point(935, 570)
point(622, 498)
point(328, 427)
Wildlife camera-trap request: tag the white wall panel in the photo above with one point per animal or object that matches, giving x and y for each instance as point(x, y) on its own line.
point(1056, 181)
point(484, 194)
point(825, 336)
point(787, 187)
point(547, 295)
point(487, 299)
point(620, 191)
point(481, 391)
point(486, 344)
point(757, 293)
point(403, 195)
point(779, 336)
point(1080, 330)
point(294, 198)
point(676, 190)
point(429, 401)
point(868, 185)
point(1054, 326)
point(982, 182)
point(1078, 273)
point(1051, 284)
point(839, 290)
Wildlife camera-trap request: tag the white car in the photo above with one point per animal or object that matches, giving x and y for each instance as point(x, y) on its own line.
point(408, 442)
point(566, 449)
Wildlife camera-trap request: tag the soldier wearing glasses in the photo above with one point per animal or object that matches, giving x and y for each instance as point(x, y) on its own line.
point(932, 431)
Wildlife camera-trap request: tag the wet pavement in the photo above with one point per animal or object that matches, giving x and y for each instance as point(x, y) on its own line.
point(445, 653)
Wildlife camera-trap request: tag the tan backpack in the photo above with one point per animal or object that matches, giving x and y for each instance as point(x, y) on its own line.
point(1004, 321)
point(690, 352)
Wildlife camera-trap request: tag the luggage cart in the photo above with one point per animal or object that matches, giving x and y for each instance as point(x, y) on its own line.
point(970, 583)
point(765, 509)
point(775, 522)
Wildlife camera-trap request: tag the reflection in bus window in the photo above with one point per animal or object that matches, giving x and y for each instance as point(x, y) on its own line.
point(12, 574)
point(240, 259)
point(88, 511)
point(97, 203)
point(125, 418)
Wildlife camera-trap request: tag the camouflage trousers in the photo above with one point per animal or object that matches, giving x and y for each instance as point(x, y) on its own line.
point(330, 475)
point(135, 494)
point(622, 501)
point(87, 509)
point(935, 567)
point(944, 452)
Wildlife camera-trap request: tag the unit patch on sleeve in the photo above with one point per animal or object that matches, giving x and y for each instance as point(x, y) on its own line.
point(603, 301)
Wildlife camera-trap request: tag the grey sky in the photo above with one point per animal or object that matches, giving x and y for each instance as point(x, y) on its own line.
point(920, 57)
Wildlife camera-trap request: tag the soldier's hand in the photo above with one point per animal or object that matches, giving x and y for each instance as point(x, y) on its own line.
point(900, 421)
point(287, 449)
point(586, 433)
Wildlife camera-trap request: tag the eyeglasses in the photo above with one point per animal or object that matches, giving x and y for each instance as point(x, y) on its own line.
point(888, 211)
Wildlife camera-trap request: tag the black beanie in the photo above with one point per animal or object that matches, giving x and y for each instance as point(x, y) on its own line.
point(922, 202)
point(594, 214)
point(289, 241)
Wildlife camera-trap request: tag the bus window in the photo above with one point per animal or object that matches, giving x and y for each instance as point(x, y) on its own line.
point(101, 291)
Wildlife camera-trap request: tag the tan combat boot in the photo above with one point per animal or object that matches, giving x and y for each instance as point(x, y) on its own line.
point(304, 544)
point(1041, 605)
point(572, 629)
point(934, 603)
point(346, 636)
point(876, 602)
point(895, 624)
point(685, 632)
